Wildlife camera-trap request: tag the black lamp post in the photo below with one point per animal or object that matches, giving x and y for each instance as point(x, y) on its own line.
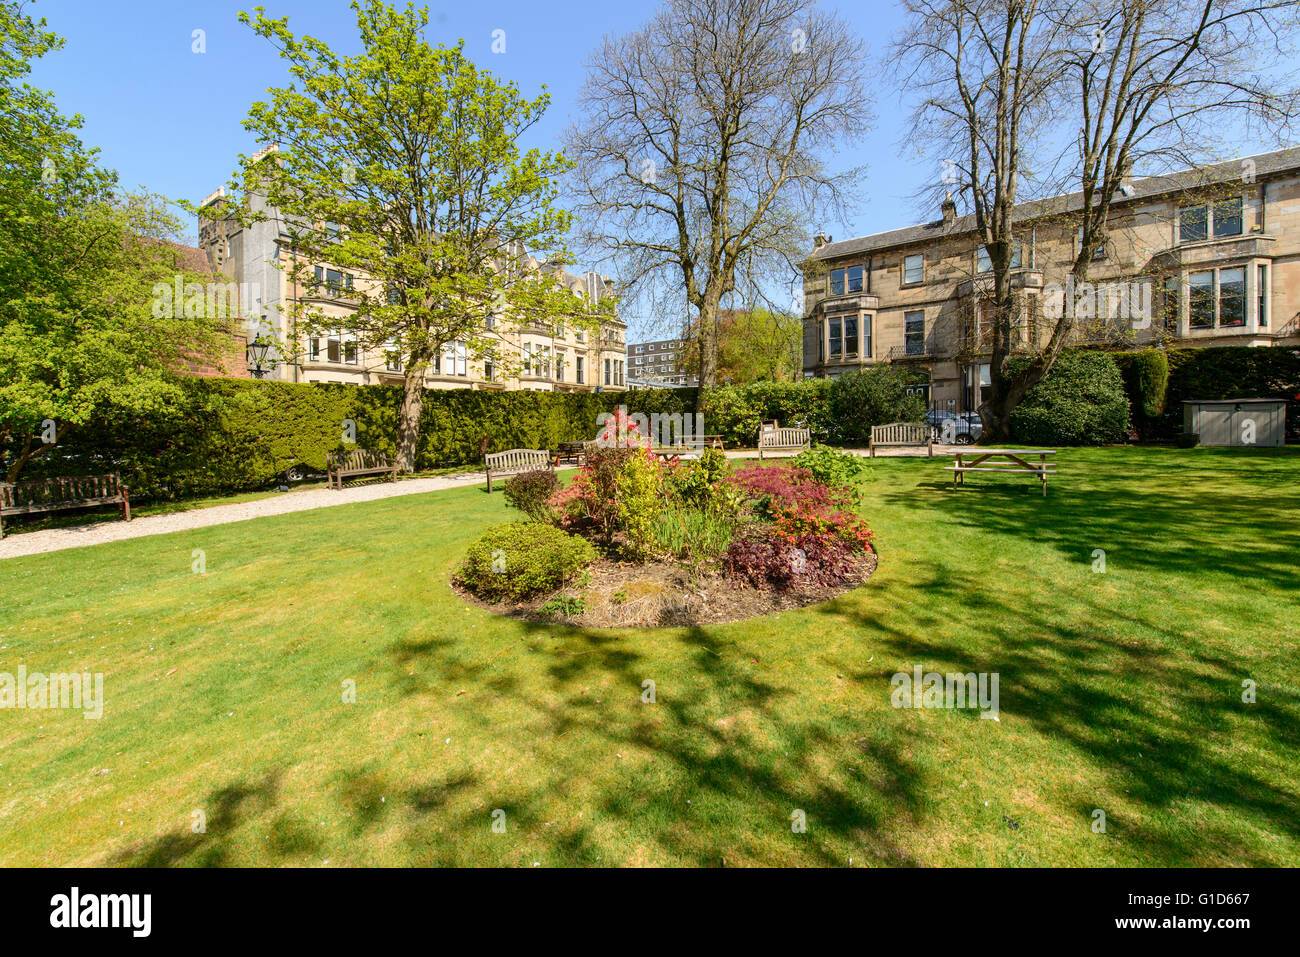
point(258, 352)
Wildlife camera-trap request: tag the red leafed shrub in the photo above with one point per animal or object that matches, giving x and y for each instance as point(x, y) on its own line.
point(804, 520)
point(772, 488)
point(765, 559)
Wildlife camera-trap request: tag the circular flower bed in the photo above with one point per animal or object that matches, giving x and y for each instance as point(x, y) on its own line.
point(635, 540)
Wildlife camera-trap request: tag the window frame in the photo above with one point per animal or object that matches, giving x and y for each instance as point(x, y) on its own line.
point(913, 282)
point(909, 334)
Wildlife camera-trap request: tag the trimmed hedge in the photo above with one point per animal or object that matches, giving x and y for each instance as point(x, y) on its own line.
point(1216, 372)
point(1080, 401)
point(230, 435)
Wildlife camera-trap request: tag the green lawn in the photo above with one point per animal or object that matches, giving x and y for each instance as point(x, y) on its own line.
point(1120, 691)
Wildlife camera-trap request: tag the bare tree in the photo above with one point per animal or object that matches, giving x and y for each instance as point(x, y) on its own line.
point(701, 158)
point(1104, 87)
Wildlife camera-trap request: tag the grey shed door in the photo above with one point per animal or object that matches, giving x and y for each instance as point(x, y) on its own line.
point(1215, 425)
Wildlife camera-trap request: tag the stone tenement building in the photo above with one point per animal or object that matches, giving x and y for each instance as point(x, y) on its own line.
point(1209, 256)
point(539, 356)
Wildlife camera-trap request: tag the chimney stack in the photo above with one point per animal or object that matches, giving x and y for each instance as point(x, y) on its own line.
point(949, 209)
point(819, 240)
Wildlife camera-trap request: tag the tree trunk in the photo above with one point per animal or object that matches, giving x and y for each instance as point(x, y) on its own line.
point(408, 420)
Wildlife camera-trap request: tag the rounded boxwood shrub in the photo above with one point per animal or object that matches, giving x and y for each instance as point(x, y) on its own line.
point(1080, 401)
point(523, 559)
point(875, 396)
point(530, 491)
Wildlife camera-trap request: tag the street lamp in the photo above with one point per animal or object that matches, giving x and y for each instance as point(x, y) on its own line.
point(258, 354)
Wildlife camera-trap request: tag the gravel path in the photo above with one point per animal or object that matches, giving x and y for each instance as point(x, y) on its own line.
point(114, 530)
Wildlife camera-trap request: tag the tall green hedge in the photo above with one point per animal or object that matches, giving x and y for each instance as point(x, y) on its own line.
point(1080, 401)
point(1217, 372)
point(231, 435)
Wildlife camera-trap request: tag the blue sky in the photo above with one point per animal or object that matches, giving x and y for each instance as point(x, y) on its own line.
point(168, 119)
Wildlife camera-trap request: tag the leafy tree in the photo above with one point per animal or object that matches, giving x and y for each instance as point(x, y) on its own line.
point(78, 262)
point(401, 164)
point(753, 346)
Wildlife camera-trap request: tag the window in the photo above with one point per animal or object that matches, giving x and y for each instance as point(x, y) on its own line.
point(850, 337)
point(334, 346)
point(559, 368)
point(837, 282)
point(1200, 300)
point(983, 262)
point(581, 372)
point(490, 323)
point(456, 356)
point(1232, 296)
point(1173, 304)
point(392, 357)
point(489, 370)
point(913, 269)
point(1227, 217)
point(914, 333)
point(640, 348)
point(1192, 221)
point(836, 343)
point(621, 367)
point(855, 279)
point(1097, 254)
point(1261, 290)
point(332, 280)
point(866, 337)
point(608, 367)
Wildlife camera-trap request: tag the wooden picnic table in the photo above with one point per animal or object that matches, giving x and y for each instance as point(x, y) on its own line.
point(1001, 460)
point(572, 452)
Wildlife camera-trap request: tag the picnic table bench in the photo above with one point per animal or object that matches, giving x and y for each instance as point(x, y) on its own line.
point(516, 462)
point(571, 453)
point(775, 439)
point(341, 465)
point(1002, 460)
point(48, 495)
point(914, 434)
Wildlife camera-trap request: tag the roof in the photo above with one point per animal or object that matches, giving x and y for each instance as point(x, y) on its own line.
point(1265, 164)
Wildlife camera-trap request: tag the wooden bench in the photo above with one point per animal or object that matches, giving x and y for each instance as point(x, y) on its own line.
point(775, 439)
point(341, 465)
point(1002, 460)
point(48, 495)
point(516, 462)
point(910, 434)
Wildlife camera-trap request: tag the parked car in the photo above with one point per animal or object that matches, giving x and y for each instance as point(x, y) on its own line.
point(965, 428)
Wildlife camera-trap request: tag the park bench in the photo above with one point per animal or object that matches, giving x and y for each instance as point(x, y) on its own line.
point(515, 462)
point(896, 434)
point(341, 465)
point(1002, 460)
point(776, 439)
point(48, 495)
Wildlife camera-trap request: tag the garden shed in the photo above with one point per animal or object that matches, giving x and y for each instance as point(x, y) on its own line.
point(1236, 422)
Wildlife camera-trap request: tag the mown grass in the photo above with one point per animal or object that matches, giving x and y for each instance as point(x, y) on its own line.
point(1120, 691)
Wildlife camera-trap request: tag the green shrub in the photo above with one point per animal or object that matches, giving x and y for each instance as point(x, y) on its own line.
point(564, 606)
point(640, 498)
point(831, 466)
point(1079, 402)
point(874, 396)
point(1146, 383)
point(737, 412)
point(530, 491)
point(694, 482)
point(523, 559)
